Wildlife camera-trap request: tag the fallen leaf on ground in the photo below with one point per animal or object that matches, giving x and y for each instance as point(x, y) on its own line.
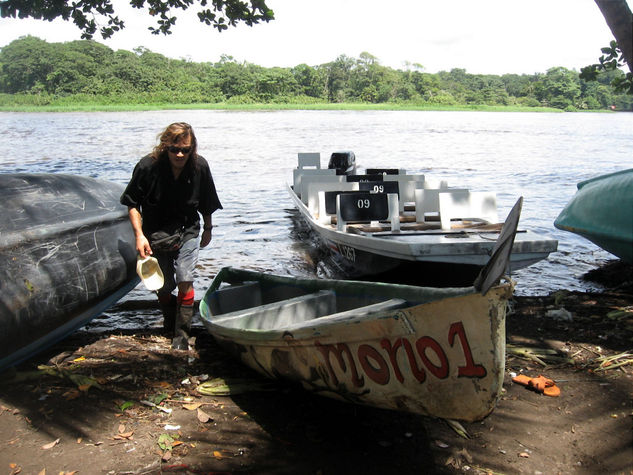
point(192, 406)
point(217, 454)
point(232, 386)
point(165, 442)
point(50, 445)
point(71, 394)
point(203, 416)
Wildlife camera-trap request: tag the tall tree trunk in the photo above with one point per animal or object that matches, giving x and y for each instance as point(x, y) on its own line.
point(620, 20)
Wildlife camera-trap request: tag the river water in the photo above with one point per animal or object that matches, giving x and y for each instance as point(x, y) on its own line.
point(540, 156)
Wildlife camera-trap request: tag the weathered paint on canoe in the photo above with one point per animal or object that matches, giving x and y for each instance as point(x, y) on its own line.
point(602, 212)
point(442, 354)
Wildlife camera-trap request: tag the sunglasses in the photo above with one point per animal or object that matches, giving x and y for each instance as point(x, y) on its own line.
point(175, 149)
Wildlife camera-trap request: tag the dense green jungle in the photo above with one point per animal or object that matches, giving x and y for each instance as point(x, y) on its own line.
point(84, 74)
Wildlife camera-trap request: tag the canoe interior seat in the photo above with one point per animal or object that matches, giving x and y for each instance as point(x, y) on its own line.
point(391, 304)
point(280, 314)
point(236, 297)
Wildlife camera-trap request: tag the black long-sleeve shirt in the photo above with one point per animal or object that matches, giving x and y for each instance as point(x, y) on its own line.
point(167, 204)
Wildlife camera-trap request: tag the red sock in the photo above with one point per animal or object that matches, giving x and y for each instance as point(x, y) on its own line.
point(186, 299)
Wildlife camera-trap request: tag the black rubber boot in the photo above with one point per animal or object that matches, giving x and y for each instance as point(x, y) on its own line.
point(184, 316)
point(169, 316)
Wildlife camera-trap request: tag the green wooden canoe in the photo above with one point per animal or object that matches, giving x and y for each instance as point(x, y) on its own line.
point(436, 352)
point(602, 212)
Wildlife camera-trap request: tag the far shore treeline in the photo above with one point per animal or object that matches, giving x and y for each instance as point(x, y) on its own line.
point(35, 73)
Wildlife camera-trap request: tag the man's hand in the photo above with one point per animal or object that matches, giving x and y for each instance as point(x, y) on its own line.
point(206, 238)
point(142, 246)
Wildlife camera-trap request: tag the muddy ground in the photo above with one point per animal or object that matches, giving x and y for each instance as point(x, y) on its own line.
point(89, 409)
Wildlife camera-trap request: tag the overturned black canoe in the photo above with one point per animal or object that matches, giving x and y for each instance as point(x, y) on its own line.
point(66, 254)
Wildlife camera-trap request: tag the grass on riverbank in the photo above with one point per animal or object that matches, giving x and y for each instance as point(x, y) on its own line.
point(96, 107)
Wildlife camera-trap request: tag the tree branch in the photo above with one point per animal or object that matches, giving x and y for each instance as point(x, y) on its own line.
point(620, 21)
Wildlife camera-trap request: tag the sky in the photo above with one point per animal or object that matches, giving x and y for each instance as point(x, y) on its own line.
point(480, 36)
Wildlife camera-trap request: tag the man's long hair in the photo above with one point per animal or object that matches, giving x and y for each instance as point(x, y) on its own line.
point(171, 135)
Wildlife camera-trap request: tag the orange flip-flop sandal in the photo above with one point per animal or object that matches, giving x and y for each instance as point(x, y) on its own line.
point(540, 384)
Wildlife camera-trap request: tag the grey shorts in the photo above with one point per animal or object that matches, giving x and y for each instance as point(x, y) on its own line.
point(179, 266)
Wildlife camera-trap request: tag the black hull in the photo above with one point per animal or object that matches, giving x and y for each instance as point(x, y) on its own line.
point(66, 254)
point(372, 267)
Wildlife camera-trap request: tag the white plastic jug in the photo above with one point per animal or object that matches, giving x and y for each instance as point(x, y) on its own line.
point(149, 272)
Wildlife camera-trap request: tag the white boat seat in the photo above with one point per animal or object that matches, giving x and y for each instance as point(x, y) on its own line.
point(304, 186)
point(322, 199)
point(281, 314)
point(427, 202)
point(309, 159)
point(299, 173)
point(434, 183)
point(367, 207)
point(407, 185)
point(478, 205)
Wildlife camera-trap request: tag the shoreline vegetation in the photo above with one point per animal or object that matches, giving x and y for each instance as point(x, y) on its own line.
point(85, 75)
point(104, 107)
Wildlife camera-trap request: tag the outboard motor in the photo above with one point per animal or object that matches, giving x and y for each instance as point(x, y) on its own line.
point(343, 162)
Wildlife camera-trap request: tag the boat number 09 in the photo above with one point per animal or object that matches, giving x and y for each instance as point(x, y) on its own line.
point(360, 204)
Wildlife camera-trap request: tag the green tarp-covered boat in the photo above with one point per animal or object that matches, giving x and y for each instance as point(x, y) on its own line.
point(602, 212)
